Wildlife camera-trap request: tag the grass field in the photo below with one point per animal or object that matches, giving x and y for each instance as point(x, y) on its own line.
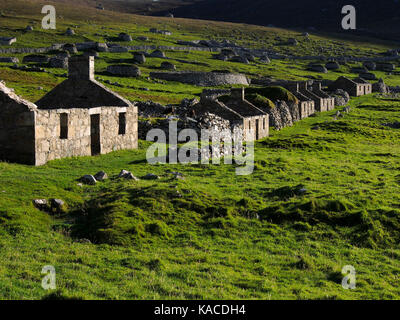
point(213, 235)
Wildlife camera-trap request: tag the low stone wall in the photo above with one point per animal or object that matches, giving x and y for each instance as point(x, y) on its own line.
point(50, 146)
point(204, 79)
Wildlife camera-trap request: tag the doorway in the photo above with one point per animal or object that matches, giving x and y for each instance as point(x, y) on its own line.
point(257, 129)
point(95, 134)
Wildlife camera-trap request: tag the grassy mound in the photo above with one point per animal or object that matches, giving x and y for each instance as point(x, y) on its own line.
point(274, 94)
point(260, 101)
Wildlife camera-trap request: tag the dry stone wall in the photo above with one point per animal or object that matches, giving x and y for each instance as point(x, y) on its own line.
point(202, 78)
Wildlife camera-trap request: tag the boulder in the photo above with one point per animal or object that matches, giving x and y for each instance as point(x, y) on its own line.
point(124, 37)
point(101, 47)
point(157, 54)
point(57, 205)
point(70, 32)
point(168, 66)
point(139, 57)
point(101, 176)
point(317, 68)
point(369, 65)
point(293, 42)
point(151, 176)
point(124, 70)
point(29, 28)
point(240, 59)
point(88, 179)
point(41, 204)
point(332, 65)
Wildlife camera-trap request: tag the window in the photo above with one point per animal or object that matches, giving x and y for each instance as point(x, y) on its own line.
point(63, 126)
point(122, 123)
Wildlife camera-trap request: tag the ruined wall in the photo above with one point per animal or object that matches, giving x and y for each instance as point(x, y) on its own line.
point(50, 145)
point(259, 126)
point(17, 134)
point(202, 78)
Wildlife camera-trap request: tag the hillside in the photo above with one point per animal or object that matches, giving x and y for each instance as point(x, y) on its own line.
point(324, 192)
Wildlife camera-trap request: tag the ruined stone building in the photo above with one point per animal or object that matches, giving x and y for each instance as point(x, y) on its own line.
point(80, 117)
point(238, 111)
point(356, 87)
point(306, 104)
point(326, 102)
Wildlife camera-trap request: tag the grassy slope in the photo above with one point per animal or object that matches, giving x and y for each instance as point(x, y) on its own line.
point(93, 25)
point(148, 243)
point(153, 245)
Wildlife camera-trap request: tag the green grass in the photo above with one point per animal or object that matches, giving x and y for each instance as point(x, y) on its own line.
point(213, 235)
point(148, 242)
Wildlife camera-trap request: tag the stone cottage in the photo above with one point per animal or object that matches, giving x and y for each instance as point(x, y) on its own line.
point(326, 102)
point(356, 87)
point(240, 113)
point(306, 104)
point(80, 117)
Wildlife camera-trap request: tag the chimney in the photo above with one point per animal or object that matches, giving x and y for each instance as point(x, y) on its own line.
point(237, 93)
point(317, 86)
point(292, 86)
point(303, 85)
point(81, 68)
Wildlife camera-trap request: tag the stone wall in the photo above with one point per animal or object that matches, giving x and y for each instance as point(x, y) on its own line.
point(50, 146)
point(202, 78)
point(17, 133)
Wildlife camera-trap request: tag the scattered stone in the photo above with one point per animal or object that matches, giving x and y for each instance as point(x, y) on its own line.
point(29, 28)
point(369, 65)
point(57, 205)
point(41, 204)
point(157, 54)
point(139, 57)
point(70, 32)
point(318, 68)
point(125, 37)
point(101, 176)
point(88, 179)
point(168, 66)
point(151, 176)
point(332, 65)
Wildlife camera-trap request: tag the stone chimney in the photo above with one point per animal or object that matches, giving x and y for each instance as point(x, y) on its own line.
point(237, 94)
point(81, 68)
point(293, 86)
point(303, 85)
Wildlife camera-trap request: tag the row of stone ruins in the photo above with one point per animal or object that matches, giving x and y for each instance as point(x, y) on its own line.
point(81, 117)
